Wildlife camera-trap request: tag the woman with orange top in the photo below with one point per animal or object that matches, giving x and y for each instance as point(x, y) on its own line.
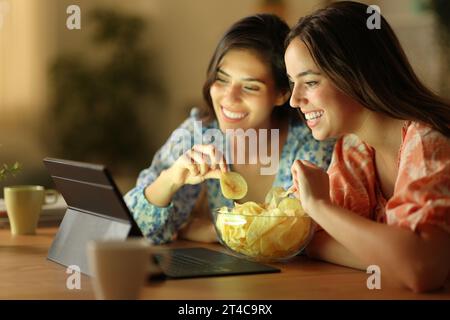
point(386, 198)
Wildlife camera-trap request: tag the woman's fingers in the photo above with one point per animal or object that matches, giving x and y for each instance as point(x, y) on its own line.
point(188, 163)
point(200, 160)
point(302, 166)
point(294, 171)
point(209, 152)
point(223, 164)
point(308, 164)
point(213, 174)
point(214, 156)
point(292, 189)
point(201, 163)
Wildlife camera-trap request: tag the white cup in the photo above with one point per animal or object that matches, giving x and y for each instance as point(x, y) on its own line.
point(119, 267)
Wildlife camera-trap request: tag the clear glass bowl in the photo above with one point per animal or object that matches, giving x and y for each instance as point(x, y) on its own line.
point(264, 238)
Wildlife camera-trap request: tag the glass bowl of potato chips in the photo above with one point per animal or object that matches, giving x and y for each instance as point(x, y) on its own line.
point(274, 231)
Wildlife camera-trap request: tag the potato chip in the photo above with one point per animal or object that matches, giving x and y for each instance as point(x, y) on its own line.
point(291, 206)
point(233, 231)
point(277, 235)
point(276, 229)
point(273, 194)
point(248, 208)
point(260, 226)
point(233, 185)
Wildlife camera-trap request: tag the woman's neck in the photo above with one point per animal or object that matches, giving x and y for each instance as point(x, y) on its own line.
point(382, 133)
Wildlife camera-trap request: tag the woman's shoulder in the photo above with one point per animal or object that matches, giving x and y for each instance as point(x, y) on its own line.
point(421, 141)
point(419, 130)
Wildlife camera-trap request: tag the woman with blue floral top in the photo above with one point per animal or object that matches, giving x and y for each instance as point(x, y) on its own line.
point(248, 128)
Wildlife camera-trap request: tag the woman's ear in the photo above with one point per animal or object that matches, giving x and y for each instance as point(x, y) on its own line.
point(282, 97)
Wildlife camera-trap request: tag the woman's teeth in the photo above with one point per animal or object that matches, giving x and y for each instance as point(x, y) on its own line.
point(314, 115)
point(233, 115)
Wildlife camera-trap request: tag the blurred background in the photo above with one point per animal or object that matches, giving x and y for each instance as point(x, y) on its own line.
point(112, 91)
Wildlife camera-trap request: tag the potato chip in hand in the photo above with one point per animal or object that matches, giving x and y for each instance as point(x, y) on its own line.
point(233, 185)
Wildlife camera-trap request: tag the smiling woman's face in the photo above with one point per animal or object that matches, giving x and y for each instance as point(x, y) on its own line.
point(244, 92)
point(329, 112)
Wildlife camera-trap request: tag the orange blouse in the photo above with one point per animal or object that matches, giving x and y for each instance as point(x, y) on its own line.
point(422, 187)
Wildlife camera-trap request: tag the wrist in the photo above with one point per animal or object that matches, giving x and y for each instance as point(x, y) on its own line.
point(317, 206)
point(322, 205)
point(162, 190)
point(168, 180)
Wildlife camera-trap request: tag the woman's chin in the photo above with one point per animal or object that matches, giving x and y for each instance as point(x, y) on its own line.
point(319, 135)
point(226, 125)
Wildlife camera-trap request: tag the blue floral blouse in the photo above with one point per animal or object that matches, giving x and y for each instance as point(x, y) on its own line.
point(160, 225)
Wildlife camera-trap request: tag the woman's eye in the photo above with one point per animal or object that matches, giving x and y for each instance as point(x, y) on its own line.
point(291, 85)
point(251, 88)
point(310, 84)
point(221, 80)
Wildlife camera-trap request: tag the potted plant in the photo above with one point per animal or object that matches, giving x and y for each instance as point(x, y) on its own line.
point(6, 170)
point(99, 107)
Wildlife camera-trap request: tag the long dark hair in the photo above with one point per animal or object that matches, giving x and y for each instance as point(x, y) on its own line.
point(369, 65)
point(263, 34)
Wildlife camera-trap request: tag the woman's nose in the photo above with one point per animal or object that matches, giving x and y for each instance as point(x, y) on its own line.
point(297, 98)
point(233, 94)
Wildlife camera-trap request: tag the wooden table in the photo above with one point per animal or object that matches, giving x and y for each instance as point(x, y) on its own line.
point(25, 273)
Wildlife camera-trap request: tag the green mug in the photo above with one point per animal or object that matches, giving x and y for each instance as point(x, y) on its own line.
point(24, 206)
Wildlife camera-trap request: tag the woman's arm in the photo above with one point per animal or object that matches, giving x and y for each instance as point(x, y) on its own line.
point(420, 261)
point(326, 248)
point(167, 191)
point(160, 220)
point(162, 190)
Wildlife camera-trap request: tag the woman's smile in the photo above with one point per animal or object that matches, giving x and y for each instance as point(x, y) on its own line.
point(232, 116)
point(313, 118)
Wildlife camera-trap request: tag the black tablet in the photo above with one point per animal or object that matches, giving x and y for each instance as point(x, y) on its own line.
point(96, 210)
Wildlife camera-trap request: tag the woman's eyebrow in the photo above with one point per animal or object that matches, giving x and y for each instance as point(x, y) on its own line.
point(223, 72)
point(307, 72)
point(254, 80)
point(243, 79)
